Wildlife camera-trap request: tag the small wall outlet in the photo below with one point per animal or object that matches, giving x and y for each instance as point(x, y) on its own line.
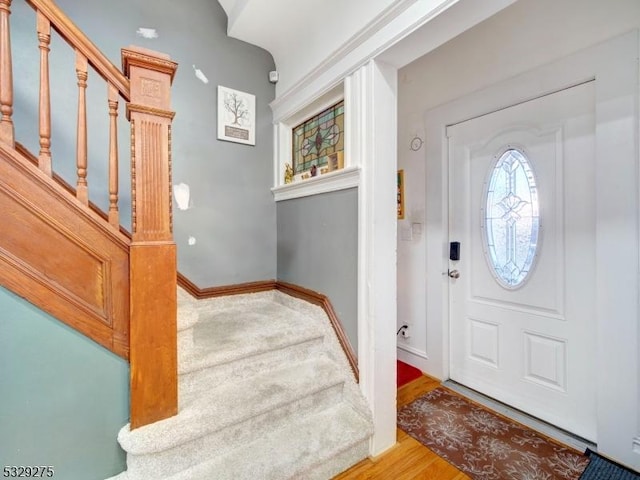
point(405, 331)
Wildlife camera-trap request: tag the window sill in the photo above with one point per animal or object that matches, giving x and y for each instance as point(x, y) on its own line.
point(329, 182)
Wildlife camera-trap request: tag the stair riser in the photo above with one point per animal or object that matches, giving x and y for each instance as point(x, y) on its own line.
point(337, 464)
point(248, 367)
point(188, 316)
point(329, 468)
point(316, 447)
point(220, 442)
point(185, 342)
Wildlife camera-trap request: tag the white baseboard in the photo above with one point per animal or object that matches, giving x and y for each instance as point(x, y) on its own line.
point(413, 356)
point(636, 445)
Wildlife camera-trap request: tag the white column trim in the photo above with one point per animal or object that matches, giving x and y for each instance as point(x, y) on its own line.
point(376, 87)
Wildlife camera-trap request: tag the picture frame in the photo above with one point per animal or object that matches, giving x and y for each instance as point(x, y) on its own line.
point(236, 116)
point(400, 194)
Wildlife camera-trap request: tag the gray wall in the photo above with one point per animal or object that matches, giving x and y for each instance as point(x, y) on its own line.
point(64, 397)
point(232, 214)
point(318, 249)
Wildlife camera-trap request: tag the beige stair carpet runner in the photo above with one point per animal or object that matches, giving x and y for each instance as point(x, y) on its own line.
point(265, 393)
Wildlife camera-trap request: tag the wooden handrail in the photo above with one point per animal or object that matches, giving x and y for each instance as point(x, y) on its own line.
point(79, 41)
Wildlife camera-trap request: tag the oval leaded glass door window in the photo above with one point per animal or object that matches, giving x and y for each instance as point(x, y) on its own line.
point(511, 220)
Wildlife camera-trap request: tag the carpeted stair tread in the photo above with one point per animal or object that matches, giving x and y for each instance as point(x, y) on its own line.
point(218, 443)
point(232, 403)
point(293, 451)
point(265, 392)
point(233, 334)
point(194, 381)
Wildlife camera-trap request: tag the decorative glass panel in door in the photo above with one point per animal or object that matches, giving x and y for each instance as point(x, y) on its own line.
point(511, 219)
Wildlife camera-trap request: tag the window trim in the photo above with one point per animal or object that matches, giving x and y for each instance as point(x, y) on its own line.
point(342, 179)
point(346, 177)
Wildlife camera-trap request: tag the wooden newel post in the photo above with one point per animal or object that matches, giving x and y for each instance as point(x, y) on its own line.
point(153, 334)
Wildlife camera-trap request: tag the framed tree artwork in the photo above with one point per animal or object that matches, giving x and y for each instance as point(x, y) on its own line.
point(236, 116)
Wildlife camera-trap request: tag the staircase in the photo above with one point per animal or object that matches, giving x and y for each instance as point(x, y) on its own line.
point(265, 392)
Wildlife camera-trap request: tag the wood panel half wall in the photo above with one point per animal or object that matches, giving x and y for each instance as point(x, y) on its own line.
point(61, 256)
point(297, 291)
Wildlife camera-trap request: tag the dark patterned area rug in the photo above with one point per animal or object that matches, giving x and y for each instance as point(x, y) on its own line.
point(484, 445)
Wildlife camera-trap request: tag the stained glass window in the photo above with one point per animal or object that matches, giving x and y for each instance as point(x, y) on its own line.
point(512, 219)
point(317, 138)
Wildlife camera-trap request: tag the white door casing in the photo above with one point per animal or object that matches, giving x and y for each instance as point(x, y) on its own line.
point(531, 345)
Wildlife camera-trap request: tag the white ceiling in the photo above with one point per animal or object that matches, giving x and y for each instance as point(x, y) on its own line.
point(300, 34)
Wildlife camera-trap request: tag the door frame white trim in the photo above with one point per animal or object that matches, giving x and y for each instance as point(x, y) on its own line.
point(375, 87)
point(614, 66)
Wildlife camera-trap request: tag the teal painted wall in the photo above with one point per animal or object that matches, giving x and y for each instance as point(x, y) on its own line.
point(63, 397)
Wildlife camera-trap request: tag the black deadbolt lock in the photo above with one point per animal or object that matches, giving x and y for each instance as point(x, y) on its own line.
point(454, 251)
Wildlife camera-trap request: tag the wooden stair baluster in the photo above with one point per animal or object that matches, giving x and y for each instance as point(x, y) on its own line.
point(44, 39)
point(81, 149)
point(7, 133)
point(113, 95)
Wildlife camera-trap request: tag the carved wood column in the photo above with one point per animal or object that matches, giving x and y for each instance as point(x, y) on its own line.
point(153, 334)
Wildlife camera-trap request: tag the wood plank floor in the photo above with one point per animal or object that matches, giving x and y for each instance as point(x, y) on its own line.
point(408, 459)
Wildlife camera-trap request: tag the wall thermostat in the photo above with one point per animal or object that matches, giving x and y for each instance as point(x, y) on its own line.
point(416, 143)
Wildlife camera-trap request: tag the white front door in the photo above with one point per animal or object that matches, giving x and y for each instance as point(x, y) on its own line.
point(522, 205)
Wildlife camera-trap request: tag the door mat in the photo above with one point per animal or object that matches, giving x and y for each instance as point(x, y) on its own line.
point(600, 468)
point(484, 445)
